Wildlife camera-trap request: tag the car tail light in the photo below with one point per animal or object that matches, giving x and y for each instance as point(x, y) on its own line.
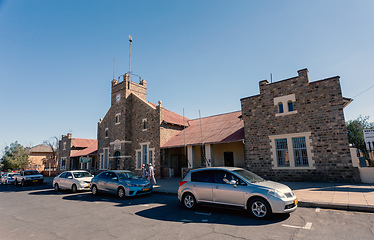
point(181, 183)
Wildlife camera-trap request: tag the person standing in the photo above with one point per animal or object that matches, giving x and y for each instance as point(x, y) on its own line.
point(151, 174)
point(144, 171)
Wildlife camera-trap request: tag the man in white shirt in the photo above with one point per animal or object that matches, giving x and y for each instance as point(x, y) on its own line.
point(151, 174)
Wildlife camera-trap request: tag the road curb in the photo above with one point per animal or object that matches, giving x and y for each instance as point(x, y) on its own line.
point(356, 208)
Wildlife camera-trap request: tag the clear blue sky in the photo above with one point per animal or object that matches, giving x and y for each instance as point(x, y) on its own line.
point(56, 57)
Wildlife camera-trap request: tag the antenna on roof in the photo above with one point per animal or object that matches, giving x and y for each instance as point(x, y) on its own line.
point(271, 78)
point(114, 61)
point(130, 41)
point(202, 142)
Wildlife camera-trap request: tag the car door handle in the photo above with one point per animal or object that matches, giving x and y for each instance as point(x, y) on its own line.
point(217, 187)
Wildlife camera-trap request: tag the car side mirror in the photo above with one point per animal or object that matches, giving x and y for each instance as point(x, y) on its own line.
point(70, 177)
point(115, 178)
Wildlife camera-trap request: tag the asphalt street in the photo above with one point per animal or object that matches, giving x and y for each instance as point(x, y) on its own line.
point(37, 212)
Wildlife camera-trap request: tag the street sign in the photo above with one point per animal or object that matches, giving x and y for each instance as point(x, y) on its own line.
point(369, 139)
point(85, 159)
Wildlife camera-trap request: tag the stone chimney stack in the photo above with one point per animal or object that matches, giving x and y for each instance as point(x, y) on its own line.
point(304, 75)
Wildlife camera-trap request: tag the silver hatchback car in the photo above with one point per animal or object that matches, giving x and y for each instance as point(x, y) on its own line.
point(236, 187)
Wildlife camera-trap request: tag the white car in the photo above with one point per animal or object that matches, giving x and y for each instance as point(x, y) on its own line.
point(28, 177)
point(8, 178)
point(74, 180)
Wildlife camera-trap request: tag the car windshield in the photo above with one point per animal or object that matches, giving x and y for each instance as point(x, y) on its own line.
point(250, 176)
point(31, 173)
point(127, 175)
point(81, 174)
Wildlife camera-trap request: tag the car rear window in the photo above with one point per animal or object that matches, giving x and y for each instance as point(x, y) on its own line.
point(202, 176)
point(31, 173)
point(82, 174)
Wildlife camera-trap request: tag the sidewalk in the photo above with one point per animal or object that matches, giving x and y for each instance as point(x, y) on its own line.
point(354, 197)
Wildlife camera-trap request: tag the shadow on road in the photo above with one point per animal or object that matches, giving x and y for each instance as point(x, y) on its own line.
point(157, 206)
point(19, 188)
point(163, 207)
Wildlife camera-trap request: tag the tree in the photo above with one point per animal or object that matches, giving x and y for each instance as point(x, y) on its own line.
point(355, 129)
point(53, 144)
point(15, 156)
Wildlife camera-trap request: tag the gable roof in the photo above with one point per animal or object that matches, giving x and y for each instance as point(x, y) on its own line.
point(90, 150)
point(173, 118)
point(83, 142)
point(222, 128)
point(41, 148)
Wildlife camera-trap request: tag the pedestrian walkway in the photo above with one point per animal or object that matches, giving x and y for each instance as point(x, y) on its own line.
point(355, 197)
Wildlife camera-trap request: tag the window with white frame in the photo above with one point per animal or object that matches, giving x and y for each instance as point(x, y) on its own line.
point(117, 119)
point(144, 155)
point(63, 163)
point(285, 105)
point(106, 132)
point(64, 146)
point(292, 151)
point(104, 159)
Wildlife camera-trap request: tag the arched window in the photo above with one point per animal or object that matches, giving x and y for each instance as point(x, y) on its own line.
point(290, 106)
point(280, 107)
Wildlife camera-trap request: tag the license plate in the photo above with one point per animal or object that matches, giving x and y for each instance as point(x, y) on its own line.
point(296, 201)
point(35, 181)
point(145, 189)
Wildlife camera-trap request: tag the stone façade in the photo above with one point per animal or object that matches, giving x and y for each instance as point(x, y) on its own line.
point(318, 110)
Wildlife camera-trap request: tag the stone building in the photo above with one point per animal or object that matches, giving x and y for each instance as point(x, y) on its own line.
point(133, 129)
point(73, 152)
point(295, 131)
point(41, 158)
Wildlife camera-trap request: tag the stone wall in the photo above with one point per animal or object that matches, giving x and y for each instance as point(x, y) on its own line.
point(64, 153)
point(319, 110)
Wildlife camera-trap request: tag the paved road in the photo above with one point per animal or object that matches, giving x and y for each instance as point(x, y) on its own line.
point(37, 212)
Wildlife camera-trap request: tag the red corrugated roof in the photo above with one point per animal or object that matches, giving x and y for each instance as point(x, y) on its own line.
point(173, 118)
point(215, 129)
point(91, 150)
point(83, 142)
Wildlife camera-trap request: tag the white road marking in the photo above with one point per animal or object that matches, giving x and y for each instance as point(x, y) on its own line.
point(207, 214)
point(307, 226)
point(318, 209)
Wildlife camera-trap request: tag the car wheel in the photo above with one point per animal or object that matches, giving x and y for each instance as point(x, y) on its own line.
point(189, 200)
point(259, 208)
point(57, 188)
point(74, 188)
point(94, 190)
point(121, 192)
point(23, 183)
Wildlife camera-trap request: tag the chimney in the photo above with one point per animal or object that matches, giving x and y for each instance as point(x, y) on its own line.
point(304, 74)
point(263, 84)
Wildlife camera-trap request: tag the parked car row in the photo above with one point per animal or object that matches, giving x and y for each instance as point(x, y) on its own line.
point(228, 186)
point(120, 182)
point(8, 178)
